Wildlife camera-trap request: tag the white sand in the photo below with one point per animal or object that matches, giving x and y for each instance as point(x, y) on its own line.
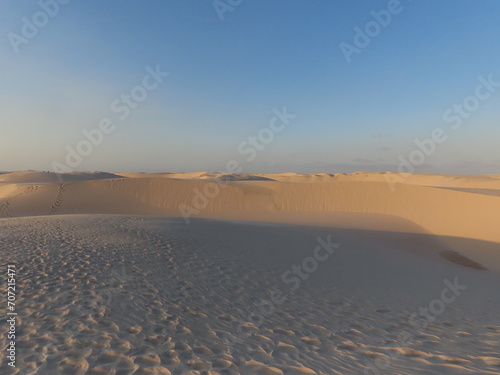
point(129, 294)
point(460, 210)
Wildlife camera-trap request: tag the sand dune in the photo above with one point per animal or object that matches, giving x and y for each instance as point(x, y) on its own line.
point(34, 177)
point(142, 295)
point(201, 176)
point(105, 291)
point(451, 207)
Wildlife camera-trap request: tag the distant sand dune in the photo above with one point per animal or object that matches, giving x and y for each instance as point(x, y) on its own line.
point(35, 177)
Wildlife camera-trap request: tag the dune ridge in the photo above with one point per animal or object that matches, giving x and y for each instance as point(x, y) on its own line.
point(447, 206)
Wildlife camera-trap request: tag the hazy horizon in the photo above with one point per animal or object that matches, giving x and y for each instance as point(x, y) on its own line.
point(219, 75)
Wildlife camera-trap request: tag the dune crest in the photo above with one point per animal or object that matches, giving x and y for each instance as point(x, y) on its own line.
point(452, 207)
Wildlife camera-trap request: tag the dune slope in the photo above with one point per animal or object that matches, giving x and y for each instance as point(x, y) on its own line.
point(142, 295)
point(447, 206)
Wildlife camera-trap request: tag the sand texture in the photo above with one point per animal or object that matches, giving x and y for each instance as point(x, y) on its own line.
point(276, 274)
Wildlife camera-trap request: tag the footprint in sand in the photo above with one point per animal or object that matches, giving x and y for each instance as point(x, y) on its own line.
point(58, 201)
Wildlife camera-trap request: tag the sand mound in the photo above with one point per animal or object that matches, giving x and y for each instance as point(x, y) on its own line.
point(201, 176)
point(452, 181)
point(106, 294)
point(34, 177)
point(143, 295)
point(438, 205)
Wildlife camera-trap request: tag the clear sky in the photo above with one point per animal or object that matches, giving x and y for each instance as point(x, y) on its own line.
point(227, 78)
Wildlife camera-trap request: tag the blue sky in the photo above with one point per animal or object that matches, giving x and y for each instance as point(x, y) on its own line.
point(226, 77)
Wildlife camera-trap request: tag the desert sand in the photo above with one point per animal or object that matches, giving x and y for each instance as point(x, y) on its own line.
point(209, 273)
